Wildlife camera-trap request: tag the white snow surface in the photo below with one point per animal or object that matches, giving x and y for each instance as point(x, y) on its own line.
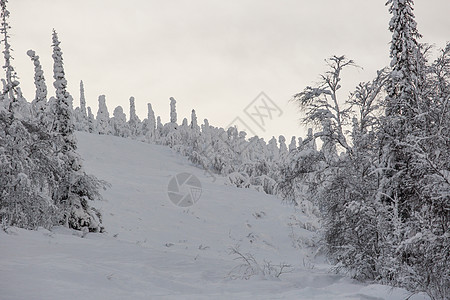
point(153, 249)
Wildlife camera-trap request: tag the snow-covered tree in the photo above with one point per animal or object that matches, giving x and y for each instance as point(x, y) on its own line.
point(298, 182)
point(300, 142)
point(194, 124)
point(355, 220)
point(173, 111)
point(159, 129)
point(41, 179)
point(151, 123)
point(293, 144)
point(170, 134)
point(81, 116)
point(26, 160)
point(103, 123)
point(328, 144)
point(405, 54)
point(342, 186)
point(91, 121)
point(82, 101)
point(412, 177)
point(402, 101)
point(27, 174)
point(62, 122)
point(273, 149)
point(283, 147)
point(134, 123)
point(76, 187)
point(321, 102)
point(119, 123)
point(9, 93)
point(39, 103)
point(385, 198)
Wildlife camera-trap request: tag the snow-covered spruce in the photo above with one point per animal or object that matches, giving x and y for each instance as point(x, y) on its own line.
point(119, 123)
point(150, 126)
point(75, 188)
point(81, 115)
point(39, 103)
point(103, 121)
point(134, 123)
point(173, 111)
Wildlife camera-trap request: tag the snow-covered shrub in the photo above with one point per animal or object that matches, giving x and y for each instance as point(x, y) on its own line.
point(248, 267)
point(239, 180)
point(267, 184)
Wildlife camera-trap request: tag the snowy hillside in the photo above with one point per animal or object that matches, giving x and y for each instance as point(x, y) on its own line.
point(153, 249)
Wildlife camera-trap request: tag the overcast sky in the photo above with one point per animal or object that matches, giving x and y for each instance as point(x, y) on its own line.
point(214, 56)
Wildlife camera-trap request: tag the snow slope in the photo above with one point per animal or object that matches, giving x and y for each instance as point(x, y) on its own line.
point(153, 249)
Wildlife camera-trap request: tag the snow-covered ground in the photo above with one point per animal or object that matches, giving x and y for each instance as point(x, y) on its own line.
point(153, 249)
